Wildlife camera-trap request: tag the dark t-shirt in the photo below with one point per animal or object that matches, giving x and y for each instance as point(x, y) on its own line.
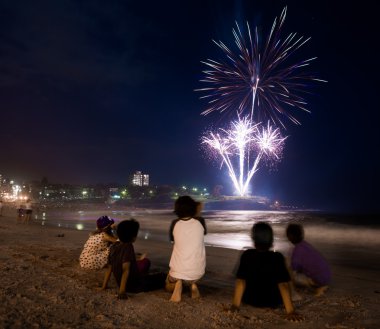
point(262, 272)
point(122, 253)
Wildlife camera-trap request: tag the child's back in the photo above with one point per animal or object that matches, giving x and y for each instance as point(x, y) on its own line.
point(262, 271)
point(120, 253)
point(188, 260)
point(262, 278)
point(95, 252)
point(123, 264)
point(306, 260)
point(94, 255)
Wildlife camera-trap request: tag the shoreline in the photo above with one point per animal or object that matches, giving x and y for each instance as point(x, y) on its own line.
point(44, 287)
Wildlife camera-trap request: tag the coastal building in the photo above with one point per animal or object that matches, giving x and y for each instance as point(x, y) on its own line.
point(140, 179)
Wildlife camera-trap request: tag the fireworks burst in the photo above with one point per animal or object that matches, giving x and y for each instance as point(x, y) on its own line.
point(258, 78)
point(239, 143)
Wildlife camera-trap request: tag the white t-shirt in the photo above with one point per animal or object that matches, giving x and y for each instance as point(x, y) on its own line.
point(188, 260)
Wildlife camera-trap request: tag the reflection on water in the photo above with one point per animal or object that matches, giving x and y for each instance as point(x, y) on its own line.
point(229, 229)
point(79, 227)
point(226, 228)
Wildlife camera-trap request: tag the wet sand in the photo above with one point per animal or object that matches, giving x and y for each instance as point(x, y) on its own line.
point(43, 286)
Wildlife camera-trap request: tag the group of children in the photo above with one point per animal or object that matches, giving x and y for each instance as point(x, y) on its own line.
point(263, 278)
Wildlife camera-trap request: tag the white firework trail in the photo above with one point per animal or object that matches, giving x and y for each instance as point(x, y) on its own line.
point(242, 142)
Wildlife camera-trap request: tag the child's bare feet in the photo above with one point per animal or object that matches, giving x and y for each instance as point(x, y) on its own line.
point(194, 291)
point(320, 291)
point(177, 293)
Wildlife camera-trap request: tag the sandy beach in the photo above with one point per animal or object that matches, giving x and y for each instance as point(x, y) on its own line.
point(44, 287)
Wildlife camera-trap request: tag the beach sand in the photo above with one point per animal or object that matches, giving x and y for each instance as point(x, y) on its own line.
point(42, 286)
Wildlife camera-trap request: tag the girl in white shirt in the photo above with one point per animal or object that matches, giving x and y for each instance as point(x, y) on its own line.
point(188, 259)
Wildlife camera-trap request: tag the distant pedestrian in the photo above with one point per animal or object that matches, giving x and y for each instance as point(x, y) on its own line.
point(28, 211)
point(20, 212)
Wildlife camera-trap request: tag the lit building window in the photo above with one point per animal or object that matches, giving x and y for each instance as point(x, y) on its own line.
point(140, 179)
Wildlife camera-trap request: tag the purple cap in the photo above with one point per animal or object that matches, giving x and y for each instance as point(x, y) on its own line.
point(104, 221)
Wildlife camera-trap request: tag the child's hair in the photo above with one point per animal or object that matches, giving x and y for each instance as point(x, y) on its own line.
point(262, 235)
point(185, 206)
point(295, 233)
point(127, 230)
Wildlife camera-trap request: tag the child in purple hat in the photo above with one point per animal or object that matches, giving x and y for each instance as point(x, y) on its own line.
point(96, 250)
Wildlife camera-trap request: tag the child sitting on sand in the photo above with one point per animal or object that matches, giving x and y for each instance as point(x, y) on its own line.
point(188, 259)
point(123, 264)
point(262, 276)
point(308, 266)
point(96, 250)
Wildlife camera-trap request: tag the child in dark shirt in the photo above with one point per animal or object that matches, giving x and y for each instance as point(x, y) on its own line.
point(122, 263)
point(262, 276)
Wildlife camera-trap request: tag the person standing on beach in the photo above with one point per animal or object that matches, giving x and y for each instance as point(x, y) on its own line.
point(28, 211)
point(20, 212)
point(308, 266)
point(188, 259)
point(262, 279)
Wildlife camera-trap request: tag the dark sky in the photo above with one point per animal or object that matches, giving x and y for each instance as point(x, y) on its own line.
point(91, 91)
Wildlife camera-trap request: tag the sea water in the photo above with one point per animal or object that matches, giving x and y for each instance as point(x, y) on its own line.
point(227, 228)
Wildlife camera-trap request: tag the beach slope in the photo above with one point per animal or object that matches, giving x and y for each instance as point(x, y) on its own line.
point(43, 286)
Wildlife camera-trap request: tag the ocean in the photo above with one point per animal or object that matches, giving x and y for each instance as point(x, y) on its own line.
point(226, 228)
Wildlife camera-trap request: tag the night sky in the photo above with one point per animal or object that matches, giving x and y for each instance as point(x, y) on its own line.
point(91, 91)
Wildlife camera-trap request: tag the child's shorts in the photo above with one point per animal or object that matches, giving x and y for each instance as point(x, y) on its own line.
point(303, 280)
point(170, 279)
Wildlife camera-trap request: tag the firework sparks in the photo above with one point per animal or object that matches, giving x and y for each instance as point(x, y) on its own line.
point(245, 140)
point(258, 79)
